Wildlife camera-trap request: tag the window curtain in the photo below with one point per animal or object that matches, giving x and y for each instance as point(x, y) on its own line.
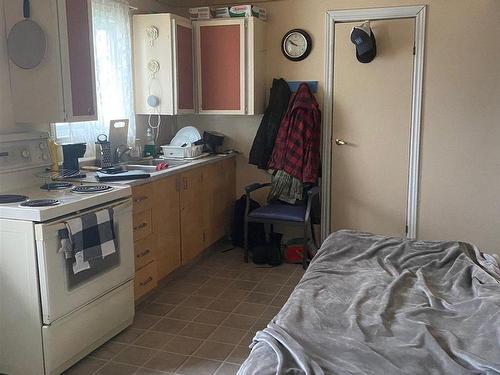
point(113, 65)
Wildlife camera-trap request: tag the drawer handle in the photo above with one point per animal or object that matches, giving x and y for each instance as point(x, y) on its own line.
point(143, 254)
point(147, 281)
point(140, 226)
point(140, 199)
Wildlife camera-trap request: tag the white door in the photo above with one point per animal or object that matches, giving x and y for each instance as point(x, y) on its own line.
point(372, 115)
point(61, 291)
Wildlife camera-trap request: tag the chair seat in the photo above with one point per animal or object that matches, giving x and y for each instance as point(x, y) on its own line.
point(281, 212)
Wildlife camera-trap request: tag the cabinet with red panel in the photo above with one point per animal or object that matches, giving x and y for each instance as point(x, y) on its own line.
point(229, 56)
point(66, 70)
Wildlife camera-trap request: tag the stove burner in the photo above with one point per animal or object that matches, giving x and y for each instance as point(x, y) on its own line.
point(88, 189)
point(12, 198)
point(40, 203)
point(56, 185)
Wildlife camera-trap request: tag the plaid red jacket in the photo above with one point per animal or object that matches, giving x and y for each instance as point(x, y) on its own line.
point(296, 149)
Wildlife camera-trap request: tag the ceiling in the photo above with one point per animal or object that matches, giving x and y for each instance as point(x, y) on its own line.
point(194, 3)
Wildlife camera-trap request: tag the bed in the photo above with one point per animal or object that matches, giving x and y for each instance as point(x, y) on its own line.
point(378, 305)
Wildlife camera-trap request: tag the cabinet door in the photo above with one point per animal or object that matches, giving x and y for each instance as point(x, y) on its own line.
point(228, 191)
point(166, 224)
point(146, 50)
point(146, 279)
point(77, 52)
point(220, 50)
point(192, 242)
point(212, 216)
point(219, 195)
point(184, 71)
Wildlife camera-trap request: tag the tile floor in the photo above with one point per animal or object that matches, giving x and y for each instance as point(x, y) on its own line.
point(199, 323)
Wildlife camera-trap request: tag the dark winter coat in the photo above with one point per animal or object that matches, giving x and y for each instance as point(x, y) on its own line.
point(263, 143)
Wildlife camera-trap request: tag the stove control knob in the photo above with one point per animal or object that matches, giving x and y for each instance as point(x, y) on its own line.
point(42, 146)
point(26, 154)
point(45, 156)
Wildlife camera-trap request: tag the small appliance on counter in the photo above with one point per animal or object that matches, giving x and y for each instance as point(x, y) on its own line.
point(71, 153)
point(213, 140)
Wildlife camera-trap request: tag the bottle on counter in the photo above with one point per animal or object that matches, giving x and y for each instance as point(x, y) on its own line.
point(149, 146)
point(136, 151)
point(55, 154)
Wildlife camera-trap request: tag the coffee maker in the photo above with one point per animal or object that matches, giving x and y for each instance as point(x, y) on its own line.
point(71, 153)
point(213, 140)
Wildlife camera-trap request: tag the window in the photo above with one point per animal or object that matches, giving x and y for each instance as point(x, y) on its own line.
point(113, 64)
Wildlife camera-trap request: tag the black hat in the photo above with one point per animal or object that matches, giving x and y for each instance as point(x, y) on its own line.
point(366, 47)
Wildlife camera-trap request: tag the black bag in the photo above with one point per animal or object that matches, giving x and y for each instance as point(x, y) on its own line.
point(256, 232)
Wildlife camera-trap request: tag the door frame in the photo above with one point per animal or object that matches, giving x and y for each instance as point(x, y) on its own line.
point(327, 136)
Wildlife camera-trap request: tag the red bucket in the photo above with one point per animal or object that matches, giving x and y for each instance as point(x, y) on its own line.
point(294, 251)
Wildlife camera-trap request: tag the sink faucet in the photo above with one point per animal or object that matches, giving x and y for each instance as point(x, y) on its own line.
point(120, 151)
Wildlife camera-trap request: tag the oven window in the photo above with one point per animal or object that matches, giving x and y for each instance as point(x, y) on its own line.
point(97, 268)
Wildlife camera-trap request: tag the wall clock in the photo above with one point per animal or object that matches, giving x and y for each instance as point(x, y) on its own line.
point(296, 45)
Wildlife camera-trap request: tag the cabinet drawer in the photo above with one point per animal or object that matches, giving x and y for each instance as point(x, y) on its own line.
point(142, 197)
point(146, 280)
point(144, 251)
point(142, 225)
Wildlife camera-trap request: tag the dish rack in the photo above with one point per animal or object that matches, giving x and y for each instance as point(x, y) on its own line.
point(182, 152)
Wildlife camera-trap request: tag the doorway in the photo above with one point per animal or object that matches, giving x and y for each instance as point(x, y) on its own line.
point(371, 131)
point(372, 126)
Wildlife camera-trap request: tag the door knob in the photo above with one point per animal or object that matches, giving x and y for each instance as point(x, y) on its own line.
point(340, 142)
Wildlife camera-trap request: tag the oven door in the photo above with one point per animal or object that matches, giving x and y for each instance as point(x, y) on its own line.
point(61, 291)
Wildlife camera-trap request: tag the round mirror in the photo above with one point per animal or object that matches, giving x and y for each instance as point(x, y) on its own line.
point(26, 44)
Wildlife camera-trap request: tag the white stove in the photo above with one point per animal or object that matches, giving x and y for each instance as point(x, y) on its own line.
point(24, 158)
point(55, 316)
point(69, 201)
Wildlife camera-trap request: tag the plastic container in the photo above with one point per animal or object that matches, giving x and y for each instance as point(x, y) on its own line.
point(181, 152)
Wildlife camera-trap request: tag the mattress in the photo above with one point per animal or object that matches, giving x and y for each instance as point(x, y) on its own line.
point(378, 305)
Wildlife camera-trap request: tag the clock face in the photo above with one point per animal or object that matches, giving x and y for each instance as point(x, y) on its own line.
point(296, 45)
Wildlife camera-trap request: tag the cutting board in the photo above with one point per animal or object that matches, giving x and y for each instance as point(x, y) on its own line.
point(118, 133)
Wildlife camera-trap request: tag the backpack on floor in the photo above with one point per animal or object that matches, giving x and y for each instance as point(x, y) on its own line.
point(256, 232)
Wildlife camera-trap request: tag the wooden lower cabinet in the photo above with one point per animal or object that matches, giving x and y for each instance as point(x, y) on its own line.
point(228, 191)
point(192, 234)
point(166, 224)
point(219, 181)
point(145, 251)
point(177, 217)
point(146, 279)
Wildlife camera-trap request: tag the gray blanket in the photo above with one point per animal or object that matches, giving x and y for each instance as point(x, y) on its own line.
point(376, 305)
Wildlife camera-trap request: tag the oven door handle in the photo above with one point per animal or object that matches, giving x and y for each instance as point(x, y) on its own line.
point(58, 225)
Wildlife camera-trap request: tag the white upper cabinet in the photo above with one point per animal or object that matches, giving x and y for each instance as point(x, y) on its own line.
point(62, 88)
point(230, 70)
point(163, 64)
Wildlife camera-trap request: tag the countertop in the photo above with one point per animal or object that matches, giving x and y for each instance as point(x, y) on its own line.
point(91, 176)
